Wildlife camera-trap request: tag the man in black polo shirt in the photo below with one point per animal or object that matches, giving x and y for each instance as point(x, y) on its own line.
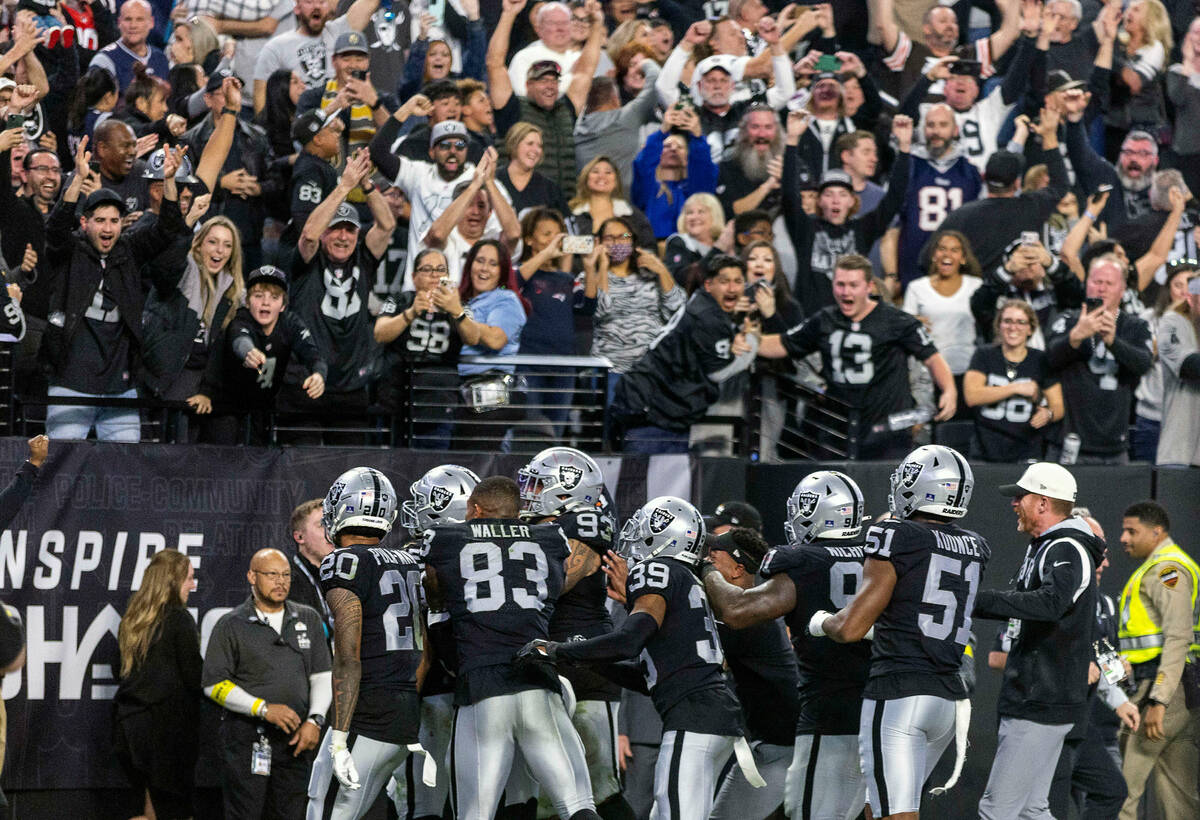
point(268, 664)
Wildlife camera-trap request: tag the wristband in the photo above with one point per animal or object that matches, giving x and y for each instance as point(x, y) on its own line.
point(259, 708)
point(461, 316)
point(233, 111)
point(1088, 213)
point(816, 624)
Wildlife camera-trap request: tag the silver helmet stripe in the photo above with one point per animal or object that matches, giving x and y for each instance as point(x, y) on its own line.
point(962, 477)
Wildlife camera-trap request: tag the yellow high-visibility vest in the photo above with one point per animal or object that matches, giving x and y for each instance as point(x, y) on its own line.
point(1141, 638)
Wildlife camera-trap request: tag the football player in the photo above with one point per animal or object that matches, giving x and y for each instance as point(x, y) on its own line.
point(820, 568)
point(437, 498)
point(672, 628)
point(566, 486)
point(378, 659)
point(920, 579)
point(499, 577)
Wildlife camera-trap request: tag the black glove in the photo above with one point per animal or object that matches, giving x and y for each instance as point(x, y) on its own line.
point(537, 652)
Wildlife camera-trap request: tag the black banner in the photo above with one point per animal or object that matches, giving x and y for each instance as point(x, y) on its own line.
point(99, 512)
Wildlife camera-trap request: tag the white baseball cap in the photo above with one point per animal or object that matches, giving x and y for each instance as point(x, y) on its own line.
point(1044, 478)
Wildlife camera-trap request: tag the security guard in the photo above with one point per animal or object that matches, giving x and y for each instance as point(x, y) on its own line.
point(1160, 636)
point(267, 663)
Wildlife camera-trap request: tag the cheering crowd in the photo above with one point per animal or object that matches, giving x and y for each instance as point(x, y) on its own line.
point(978, 212)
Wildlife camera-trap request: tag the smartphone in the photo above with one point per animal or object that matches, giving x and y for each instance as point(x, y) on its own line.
point(579, 244)
point(445, 282)
point(1104, 189)
point(799, 100)
point(757, 283)
point(828, 62)
point(1093, 304)
point(14, 121)
point(966, 68)
point(437, 10)
point(358, 73)
point(1030, 238)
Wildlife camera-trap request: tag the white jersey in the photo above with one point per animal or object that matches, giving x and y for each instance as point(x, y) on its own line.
point(978, 127)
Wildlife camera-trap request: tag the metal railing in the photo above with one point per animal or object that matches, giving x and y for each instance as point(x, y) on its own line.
point(799, 421)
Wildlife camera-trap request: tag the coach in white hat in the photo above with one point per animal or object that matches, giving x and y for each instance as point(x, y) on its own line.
point(1050, 618)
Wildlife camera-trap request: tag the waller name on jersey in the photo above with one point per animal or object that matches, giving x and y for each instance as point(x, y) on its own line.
point(499, 531)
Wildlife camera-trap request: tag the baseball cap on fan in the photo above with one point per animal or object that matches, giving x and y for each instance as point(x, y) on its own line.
point(1043, 478)
point(734, 514)
point(1003, 169)
point(543, 68)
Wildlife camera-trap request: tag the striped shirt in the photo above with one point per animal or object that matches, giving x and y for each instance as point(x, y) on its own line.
point(629, 315)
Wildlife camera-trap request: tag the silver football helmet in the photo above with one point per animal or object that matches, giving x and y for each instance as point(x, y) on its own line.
point(559, 479)
point(665, 527)
point(363, 498)
point(825, 504)
point(438, 497)
point(932, 479)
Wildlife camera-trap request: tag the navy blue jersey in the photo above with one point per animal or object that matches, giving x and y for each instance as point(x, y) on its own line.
point(924, 630)
point(684, 656)
point(499, 579)
point(827, 575)
point(934, 190)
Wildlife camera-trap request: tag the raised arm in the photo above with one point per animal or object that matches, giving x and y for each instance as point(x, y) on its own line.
point(440, 230)
point(585, 66)
point(499, 84)
point(358, 16)
point(380, 234)
point(1010, 28)
point(1156, 257)
point(356, 169)
point(212, 160)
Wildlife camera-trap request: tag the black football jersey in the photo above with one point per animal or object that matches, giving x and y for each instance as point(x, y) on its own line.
point(765, 679)
point(583, 611)
point(864, 363)
point(500, 579)
point(924, 630)
point(1002, 430)
point(387, 583)
point(827, 575)
point(431, 337)
point(684, 656)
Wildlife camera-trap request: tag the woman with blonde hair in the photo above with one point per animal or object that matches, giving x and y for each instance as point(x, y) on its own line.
point(599, 196)
point(1138, 103)
point(194, 41)
point(157, 705)
point(699, 224)
point(528, 187)
point(193, 302)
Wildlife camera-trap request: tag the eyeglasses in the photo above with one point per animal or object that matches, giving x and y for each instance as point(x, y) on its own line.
point(274, 576)
point(46, 169)
point(453, 145)
point(1016, 322)
point(580, 21)
point(1132, 153)
point(608, 240)
point(440, 269)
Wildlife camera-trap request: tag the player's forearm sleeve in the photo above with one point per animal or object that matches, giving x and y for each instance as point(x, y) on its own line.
point(235, 698)
point(619, 645)
point(320, 693)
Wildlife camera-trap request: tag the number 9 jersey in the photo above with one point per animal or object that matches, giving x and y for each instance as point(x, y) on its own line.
point(922, 633)
point(683, 659)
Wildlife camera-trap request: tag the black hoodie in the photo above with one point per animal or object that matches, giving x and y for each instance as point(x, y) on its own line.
point(1046, 678)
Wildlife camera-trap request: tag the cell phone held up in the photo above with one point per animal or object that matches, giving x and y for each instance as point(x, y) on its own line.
point(582, 245)
point(966, 68)
point(1093, 304)
point(359, 74)
point(14, 121)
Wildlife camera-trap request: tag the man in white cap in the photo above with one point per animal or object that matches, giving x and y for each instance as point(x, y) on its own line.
point(1050, 623)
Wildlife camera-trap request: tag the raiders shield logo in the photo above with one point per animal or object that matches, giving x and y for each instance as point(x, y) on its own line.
point(808, 504)
point(908, 476)
point(439, 498)
point(660, 519)
point(569, 476)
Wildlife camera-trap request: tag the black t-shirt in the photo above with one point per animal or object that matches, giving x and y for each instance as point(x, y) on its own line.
point(499, 579)
point(430, 337)
point(864, 363)
point(242, 387)
point(99, 360)
point(386, 581)
point(733, 184)
point(332, 302)
point(684, 657)
point(827, 575)
point(764, 680)
point(1002, 431)
point(924, 630)
point(540, 190)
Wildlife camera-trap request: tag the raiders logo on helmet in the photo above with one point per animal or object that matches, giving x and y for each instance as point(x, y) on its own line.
point(569, 476)
point(808, 504)
point(440, 498)
point(660, 519)
point(912, 469)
